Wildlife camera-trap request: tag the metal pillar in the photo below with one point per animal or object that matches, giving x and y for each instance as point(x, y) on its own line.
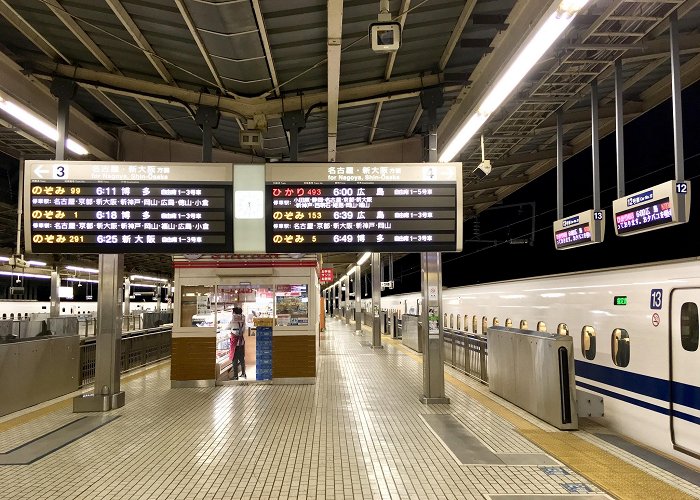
point(676, 98)
point(55, 307)
point(376, 300)
point(107, 394)
point(127, 296)
point(159, 300)
point(346, 299)
point(207, 118)
point(619, 132)
point(64, 90)
point(595, 145)
point(358, 298)
point(431, 283)
point(560, 167)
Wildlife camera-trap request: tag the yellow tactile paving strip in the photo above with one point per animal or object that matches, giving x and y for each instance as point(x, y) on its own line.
point(66, 403)
point(610, 473)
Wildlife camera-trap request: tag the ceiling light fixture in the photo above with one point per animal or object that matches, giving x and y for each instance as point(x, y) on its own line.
point(82, 269)
point(147, 278)
point(531, 52)
point(364, 258)
point(39, 124)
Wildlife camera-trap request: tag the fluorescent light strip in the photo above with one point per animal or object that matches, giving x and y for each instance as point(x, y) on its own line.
point(37, 263)
point(364, 258)
point(148, 278)
point(39, 124)
point(26, 275)
point(144, 285)
point(530, 55)
point(82, 269)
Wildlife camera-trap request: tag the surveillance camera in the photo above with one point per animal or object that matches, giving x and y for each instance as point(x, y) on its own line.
point(385, 36)
point(482, 170)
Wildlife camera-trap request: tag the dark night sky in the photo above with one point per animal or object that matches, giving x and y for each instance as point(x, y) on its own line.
point(648, 161)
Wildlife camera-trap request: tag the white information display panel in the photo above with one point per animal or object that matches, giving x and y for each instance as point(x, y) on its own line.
point(660, 206)
point(584, 228)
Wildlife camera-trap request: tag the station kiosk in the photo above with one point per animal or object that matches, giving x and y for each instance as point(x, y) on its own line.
point(279, 298)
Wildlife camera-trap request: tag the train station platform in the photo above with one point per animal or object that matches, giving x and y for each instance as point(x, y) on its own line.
point(359, 432)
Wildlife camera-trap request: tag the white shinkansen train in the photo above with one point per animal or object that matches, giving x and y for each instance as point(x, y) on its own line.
point(635, 335)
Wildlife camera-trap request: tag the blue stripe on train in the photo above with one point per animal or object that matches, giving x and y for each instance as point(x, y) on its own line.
point(683, 394)
point(637, 402)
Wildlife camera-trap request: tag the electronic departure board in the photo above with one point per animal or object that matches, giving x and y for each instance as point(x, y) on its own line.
point(342, 207)
point(663, 205)
point(102, 207)
point(584, 228)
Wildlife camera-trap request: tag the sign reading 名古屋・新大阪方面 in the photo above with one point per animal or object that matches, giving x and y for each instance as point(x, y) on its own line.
point(123, 207)
point(392, 207)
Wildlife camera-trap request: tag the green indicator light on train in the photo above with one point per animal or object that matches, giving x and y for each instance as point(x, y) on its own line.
point(620, 300)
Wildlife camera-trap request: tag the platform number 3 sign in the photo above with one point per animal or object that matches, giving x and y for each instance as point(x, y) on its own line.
point(656, 298)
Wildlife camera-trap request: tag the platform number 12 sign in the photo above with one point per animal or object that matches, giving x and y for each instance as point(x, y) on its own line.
point(656, 298)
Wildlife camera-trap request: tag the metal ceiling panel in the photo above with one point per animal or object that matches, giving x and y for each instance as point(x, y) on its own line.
point(297, 34)
point(230, 33)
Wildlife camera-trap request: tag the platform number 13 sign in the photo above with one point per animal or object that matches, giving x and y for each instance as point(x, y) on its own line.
point(656, 298)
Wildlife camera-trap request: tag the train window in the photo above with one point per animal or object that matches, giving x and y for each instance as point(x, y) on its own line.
point(689, 326)
point(459, 322)
point(541, 326)
point(620, 347)
point(452, 320)
point(12, 315)
point(484, 325)
point(523, 324)
point(466, 323)
point(495, 321)
point(444, 320)
point(562, 329)
point(475, 321)
point(588, 342)
point(509, 322)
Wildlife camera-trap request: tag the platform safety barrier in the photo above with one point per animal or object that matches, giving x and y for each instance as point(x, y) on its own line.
point(467, 353)
point(138, 349)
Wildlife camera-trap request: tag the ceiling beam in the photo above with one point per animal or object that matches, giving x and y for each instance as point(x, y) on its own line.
point(334, 43)
point(470, 202)
point(140, 40)
point(375, 121)
point(266, 44)
point(70, 23)
point(247, 107)
point(583, 116)
point(200, 44)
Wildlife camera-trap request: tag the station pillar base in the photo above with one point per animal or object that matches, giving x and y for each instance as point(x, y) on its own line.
point(98, 402)
point(434, 401)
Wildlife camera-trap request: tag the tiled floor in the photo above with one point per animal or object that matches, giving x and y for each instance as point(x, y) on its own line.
point(357, 433)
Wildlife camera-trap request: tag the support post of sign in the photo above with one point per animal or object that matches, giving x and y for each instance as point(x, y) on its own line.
point(335, 299)
point(676, 98)
point(358, 304)
point(595, 145)
point(55, 301)
point(64, 90)
point(293, 122)
point(431, 283)
point(127, 296)
point(207, 118)
point(159, 299)
point(376, 300)
point(107, 393)
point(619, 129)
point(560, 166)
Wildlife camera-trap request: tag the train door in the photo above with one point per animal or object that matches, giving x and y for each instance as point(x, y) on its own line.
point(685, 376)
